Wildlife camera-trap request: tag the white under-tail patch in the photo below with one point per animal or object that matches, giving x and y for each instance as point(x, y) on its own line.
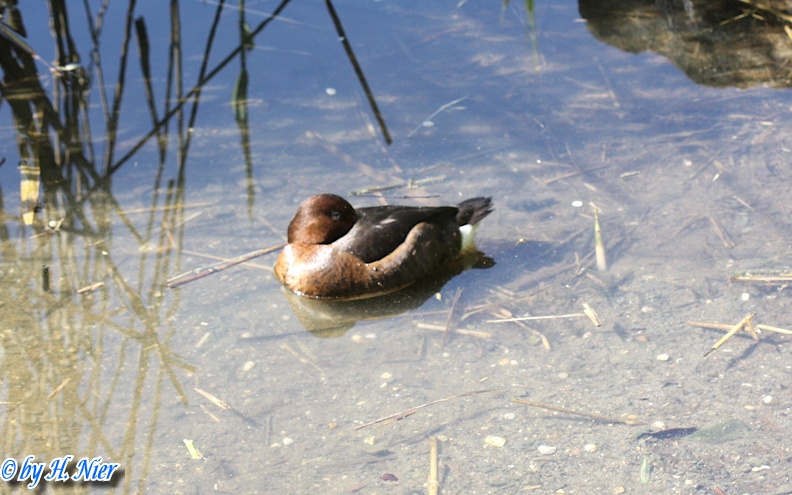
point(468, 233)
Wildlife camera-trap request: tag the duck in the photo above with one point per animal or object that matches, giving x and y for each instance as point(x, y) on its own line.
point(337, 252)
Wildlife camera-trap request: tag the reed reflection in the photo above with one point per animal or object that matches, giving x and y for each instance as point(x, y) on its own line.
point(87, 352)
point(86, 342)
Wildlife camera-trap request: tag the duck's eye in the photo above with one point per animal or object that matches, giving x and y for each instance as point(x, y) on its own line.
point(335, 215)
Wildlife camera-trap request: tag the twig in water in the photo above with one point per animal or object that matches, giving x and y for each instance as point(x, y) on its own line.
point(435, 114)
point(527, 318)
point(448, 331)
point(410, 184)
point(746, 323)
point(460, 331)
point(599, 246)
point(434, 483)
point(724, 237)
point(192, 275)
point(593, 316)
point(733, 330)
point(774, 329)
point(407, 412)
point(578, 413)
point(767, 276)
point(213, 399)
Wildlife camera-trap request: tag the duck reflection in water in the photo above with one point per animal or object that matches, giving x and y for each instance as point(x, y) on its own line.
point(331, 318)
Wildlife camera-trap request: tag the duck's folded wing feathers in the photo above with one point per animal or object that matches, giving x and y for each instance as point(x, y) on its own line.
point(381, 230)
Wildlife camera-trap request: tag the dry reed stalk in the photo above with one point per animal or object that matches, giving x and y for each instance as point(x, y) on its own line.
point(433, 483)
point(733, 330)
point(599, 245)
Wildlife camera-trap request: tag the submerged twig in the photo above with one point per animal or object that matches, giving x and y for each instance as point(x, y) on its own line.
point(447, 332)
point(410, 184)
point(435, 114)
point(567, 175)
point(599, 246)
point(721, 232)
point(220, 403)
point(193, 275)
point(593, 316)
point(768, 8)
point(598, 417)
point(733, 330)
point(527, 318)
point(724, 326)
point(460, 331)
point(768, 328)
point(746, 322)
point(766, 276)
point(402, 414)
point(305, 359)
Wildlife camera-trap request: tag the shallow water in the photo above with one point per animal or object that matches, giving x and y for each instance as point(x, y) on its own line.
point(100, 358)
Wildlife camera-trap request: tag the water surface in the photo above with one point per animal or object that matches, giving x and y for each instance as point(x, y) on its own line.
point(631, 111)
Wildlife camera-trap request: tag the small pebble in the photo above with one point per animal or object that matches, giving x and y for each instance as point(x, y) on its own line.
point(767, 399)
point(330, 91)
point(663, 357)
point(495, 441)
point(287, 441)
point(745, 296)
point(509, 416)
point(590, 447)
point(546, 450)
point(577, 204)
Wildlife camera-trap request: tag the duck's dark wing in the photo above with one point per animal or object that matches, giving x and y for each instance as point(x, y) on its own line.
point(381, 229)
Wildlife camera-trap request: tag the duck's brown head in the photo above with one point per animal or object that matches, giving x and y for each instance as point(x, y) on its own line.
point(322, 219)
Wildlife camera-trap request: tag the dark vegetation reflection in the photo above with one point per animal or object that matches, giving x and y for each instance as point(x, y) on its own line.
point(68, 308)
point(738, 43)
